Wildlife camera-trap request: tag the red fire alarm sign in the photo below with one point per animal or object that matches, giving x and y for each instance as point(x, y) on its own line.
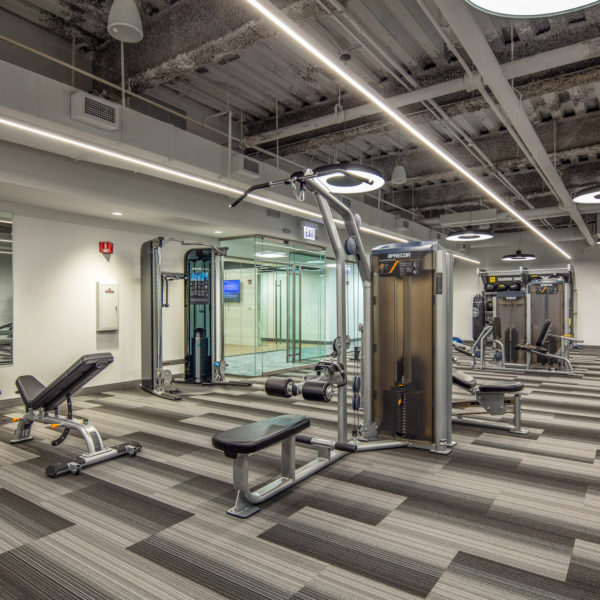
point(105, 247)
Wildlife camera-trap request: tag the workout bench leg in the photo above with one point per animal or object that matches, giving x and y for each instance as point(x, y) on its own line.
point(517, 417)
point(242, 508)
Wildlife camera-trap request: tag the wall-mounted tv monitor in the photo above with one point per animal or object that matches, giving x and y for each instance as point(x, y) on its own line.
point(231, 290)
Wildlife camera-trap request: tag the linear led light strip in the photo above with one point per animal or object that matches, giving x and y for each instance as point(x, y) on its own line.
point(465, 258)
point(396, 116)
point(177, 173)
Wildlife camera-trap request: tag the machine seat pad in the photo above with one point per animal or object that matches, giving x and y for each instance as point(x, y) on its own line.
point(462, 379)
point(256, 436)
point(29, 387)
point(37, 396)
point(501, 386)
point(531, 348)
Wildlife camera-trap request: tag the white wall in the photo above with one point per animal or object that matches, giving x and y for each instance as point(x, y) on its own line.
point(466, 285)
point(56, 266)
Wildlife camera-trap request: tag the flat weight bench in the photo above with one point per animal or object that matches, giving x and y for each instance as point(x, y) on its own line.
point(42, 404)
point(493, 398)
point(238, 443)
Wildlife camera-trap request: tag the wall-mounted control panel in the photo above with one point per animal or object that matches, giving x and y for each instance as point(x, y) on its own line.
point(107, 306)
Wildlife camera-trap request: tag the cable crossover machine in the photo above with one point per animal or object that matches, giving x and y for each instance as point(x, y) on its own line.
point(204, 341)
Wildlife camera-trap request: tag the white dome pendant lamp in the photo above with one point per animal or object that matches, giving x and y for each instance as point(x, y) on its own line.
point(125, 25)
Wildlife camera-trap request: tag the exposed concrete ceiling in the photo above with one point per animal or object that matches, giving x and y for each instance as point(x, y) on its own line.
point(216, 55)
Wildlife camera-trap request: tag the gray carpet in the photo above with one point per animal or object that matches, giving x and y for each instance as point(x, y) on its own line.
point(502, 517)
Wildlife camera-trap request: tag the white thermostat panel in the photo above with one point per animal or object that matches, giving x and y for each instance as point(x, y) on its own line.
point(107, 306)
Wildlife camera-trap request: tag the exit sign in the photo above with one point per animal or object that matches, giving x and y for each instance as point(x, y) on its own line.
point(310, 233)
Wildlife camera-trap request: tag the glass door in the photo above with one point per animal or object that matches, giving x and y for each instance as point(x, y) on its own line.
point(273, 283)
point(306, 341)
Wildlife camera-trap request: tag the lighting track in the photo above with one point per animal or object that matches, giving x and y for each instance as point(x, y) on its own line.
point(200, 181)
point(290, 28)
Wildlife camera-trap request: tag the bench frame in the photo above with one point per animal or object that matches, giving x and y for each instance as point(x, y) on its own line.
point(43, 403)
point(494, 403)
point(96, 450)
point(246, 500)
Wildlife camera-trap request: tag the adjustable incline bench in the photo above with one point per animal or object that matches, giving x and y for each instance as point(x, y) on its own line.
point(42, 404)
point(493, 398)
point(238, 443)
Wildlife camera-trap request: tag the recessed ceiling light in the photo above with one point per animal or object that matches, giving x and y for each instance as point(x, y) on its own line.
point(117, 213)
point(518, 256)
point(341, 181)
point(469, 235)
point(530, 8)
point(217, 231)
point(589, 195)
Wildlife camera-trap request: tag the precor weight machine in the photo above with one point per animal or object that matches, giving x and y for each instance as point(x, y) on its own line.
point(204, 344)
point(406, 399)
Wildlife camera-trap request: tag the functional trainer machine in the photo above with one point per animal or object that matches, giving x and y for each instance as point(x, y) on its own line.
point(406, 400)
point(204, 344)
point(518, 306)
point(43, 402)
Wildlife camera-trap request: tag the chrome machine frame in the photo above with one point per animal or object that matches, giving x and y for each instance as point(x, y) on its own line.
point(330, 451)
point(154, 284)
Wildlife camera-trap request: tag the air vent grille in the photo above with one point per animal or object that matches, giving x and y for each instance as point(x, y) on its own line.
point(95, 111)
point(252, 166)
point(99, 110)
point(247, 166)
point(160, 113)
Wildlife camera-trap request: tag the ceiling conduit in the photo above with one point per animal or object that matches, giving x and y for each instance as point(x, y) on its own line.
point(460, 18)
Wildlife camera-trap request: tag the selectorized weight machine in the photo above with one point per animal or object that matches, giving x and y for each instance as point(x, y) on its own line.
point(204, 343)
point(404, 386)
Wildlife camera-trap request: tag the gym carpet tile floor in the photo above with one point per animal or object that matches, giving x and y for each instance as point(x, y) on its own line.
point(502, 517)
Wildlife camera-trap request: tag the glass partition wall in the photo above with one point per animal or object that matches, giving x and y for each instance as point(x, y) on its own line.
point(6, 289)
point(354, 304)
point(277, 320)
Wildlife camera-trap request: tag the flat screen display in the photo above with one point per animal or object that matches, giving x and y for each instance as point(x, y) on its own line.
point(231, 290)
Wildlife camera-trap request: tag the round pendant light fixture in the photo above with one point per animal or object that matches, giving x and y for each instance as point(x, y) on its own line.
point(589, 195)
point(469, 235)
point(518, 256)
point(124, 23)
point(530, 8)
point(347, 178)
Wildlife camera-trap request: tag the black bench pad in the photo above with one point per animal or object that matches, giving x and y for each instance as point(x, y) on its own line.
point(256, 436)
point(501, 386)
point(35, 395)
point(468, 382)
